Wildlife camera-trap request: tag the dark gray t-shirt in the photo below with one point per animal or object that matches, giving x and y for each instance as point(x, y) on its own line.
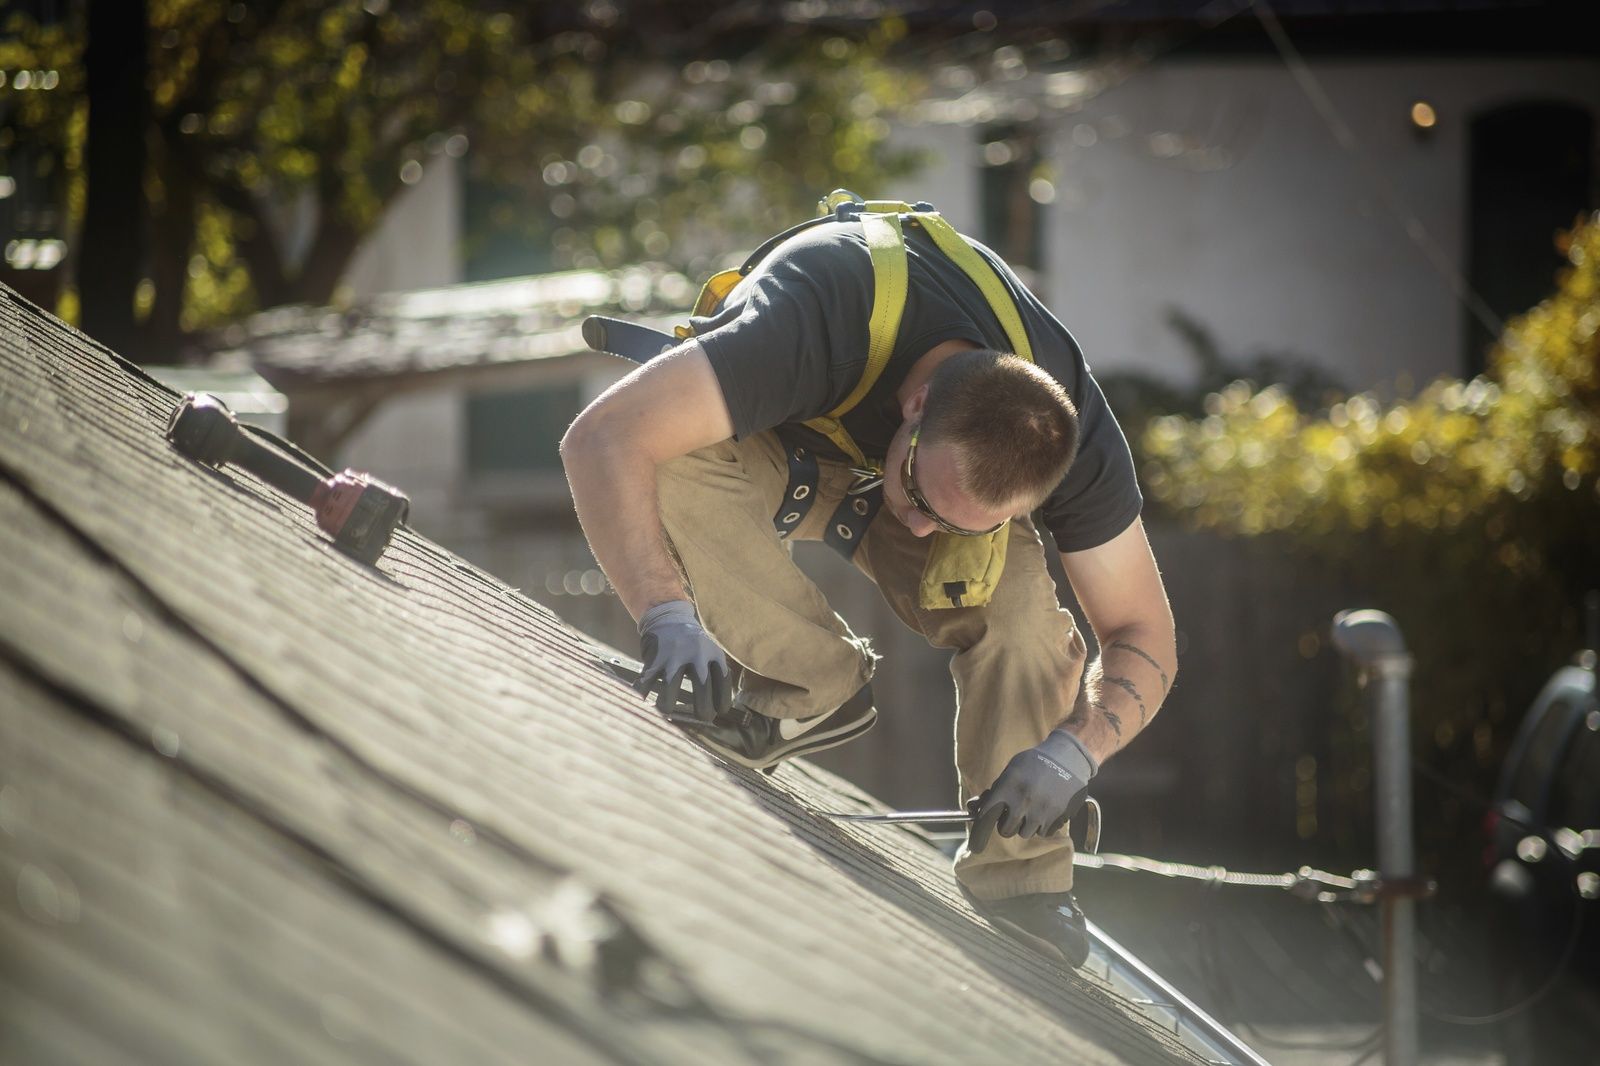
point(790, 343)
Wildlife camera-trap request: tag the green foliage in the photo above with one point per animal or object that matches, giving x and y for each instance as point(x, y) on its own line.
point(683, 164)
point(49, 121)
point(1523, 438)
point(665, 135)
point(1470, 512)
point(1137, 397)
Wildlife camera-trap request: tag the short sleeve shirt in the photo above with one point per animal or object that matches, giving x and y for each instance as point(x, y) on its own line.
point(790, 343)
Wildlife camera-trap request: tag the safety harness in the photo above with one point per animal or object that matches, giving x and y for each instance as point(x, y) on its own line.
point(961, 571)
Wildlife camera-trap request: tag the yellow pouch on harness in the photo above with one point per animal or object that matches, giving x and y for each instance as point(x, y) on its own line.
point(963, 571)
point(716, 290)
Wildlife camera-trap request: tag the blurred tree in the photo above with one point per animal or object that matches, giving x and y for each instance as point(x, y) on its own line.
point(280, 131)
point(1470, 512)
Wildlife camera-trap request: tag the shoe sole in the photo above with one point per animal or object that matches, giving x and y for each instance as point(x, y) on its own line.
point(819, 739)
point(1038, 943)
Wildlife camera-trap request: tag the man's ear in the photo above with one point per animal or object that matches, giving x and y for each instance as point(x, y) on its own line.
point(911, 409)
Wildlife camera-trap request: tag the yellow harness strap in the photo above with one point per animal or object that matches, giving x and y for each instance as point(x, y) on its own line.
point(712, 294)
point(880, 224)
point(961, 571)
point(995, 293)
point(965, 571)
point(886, 243)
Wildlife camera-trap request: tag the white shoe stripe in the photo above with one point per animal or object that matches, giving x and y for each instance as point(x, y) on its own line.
point(789, 728)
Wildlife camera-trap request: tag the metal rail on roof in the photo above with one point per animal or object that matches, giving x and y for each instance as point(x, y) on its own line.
point(1164, 1004)
point(1143, 988)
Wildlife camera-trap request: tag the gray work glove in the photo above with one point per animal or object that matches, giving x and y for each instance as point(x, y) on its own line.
point(673, 645)
point(1038, 792)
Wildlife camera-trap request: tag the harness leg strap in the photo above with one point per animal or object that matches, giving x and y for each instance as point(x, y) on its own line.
point(849, 521)
point(800, 493)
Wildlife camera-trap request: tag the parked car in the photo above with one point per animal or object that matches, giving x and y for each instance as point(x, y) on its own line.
point(1541, 861)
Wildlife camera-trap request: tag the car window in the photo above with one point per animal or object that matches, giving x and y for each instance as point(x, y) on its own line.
point(1531, 784)
point(1575, 799)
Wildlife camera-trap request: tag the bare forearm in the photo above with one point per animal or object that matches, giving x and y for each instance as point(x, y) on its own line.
point(1122, 690)
point(614, 491)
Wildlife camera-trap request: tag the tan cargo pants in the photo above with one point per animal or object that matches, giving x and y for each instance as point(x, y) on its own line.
point(1017, 662)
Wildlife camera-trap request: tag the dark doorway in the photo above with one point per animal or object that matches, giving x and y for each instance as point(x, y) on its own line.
point(1532, 175)
point(1012, 220)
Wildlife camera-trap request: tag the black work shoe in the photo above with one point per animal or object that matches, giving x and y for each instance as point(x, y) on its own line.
point(759, 742)
point(1051, 922)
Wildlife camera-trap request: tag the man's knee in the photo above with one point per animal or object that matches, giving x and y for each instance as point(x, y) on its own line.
point(1026, 635)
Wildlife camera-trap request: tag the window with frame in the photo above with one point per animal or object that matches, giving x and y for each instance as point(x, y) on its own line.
point(519, 432)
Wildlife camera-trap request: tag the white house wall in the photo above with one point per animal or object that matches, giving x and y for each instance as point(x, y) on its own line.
point(949, 179)
point(1292, 247)
point(418, 243)
point(415, 441)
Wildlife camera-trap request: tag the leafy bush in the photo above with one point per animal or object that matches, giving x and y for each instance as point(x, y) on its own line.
point(1471, 512)
point(1137, 396)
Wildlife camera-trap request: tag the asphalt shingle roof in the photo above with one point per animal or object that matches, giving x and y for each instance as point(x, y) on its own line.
point(262, 804)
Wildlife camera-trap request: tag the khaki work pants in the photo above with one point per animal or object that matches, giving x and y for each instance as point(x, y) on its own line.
point(1017, 662)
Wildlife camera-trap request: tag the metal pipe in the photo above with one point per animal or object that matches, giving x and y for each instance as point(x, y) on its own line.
point(1372, 641)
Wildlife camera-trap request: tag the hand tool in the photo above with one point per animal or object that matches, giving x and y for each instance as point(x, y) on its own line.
point(902, 816)
point(627, 339)
point(357, 510)
point(1091, 823)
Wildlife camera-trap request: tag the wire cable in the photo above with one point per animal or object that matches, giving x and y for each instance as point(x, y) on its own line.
point(1345, 137)
point(1377, 1046)
point(286, 445)
point(1209, 952)
point(1112, 70)
point(1305, 882)
point(1548, 985)
point(1318, 886)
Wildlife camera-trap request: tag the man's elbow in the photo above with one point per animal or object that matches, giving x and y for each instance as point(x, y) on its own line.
point(601, 443)
point(1157, 637)
point(1167, 641)
point(582, 435)
point(1168, 637)
point(571, 442)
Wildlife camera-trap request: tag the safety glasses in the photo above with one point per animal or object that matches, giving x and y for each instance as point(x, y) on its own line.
point(908, 482)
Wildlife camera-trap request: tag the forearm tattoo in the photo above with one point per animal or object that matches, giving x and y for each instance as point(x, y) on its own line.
point(1141, 653)
point(1113, 719)
point(1089, 696)
point(1131, 689)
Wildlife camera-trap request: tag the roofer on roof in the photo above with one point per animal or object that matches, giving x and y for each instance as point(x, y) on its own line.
point(691, 473)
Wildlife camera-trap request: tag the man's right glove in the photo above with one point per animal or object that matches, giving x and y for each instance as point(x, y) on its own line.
point(1038, 792)
point(673, 645)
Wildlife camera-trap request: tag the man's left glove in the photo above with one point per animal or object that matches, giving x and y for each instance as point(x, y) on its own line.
point(1038, 792)
point(674, 645)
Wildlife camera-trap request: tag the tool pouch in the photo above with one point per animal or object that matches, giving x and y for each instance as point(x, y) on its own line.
point(963, 571)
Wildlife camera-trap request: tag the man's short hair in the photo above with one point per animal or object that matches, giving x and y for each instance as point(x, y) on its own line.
point(1014, 427)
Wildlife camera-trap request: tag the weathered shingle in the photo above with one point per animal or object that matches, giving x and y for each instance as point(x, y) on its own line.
point(260, 803)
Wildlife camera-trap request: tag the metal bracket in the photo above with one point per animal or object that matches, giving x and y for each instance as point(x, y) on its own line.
point(1371, 888)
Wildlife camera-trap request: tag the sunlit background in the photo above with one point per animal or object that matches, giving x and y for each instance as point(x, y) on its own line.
point(1333, 261)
